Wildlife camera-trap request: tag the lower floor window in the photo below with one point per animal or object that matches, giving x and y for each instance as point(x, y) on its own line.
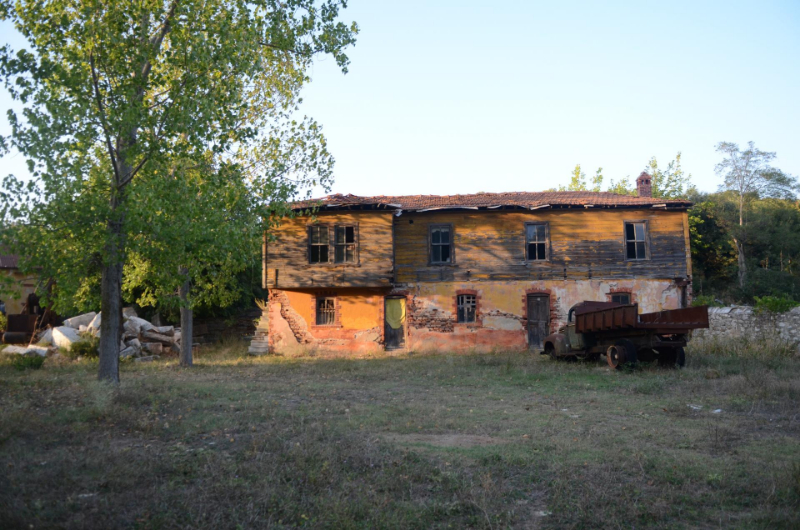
point(326, 311)
point(467, 305)
point(621, 298)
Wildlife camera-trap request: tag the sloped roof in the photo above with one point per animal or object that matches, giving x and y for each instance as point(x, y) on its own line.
point(523, 200)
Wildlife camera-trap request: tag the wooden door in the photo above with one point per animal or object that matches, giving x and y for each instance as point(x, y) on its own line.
point(538, 320)
point(394, 323)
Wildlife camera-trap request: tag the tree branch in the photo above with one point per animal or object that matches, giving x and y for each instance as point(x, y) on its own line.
point(102, 110)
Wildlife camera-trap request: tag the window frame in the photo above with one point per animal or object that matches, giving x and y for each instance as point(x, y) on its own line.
point(451, 244)
point(547, 252)
point(333, 311)
point(331, 230)
point(335, 245)
point(462, 302)
point(625, 293)
point(311, 245)
point(645, 241)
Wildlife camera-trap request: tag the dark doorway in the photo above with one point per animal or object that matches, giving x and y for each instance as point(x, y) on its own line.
point(394, 323)
point(538, 319)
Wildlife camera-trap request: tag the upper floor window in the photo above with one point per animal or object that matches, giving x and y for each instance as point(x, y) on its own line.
point(636, 241)
point(467, 305)
point(536, 241)
point(345, 245)
point(441, 243)
point(318, 244)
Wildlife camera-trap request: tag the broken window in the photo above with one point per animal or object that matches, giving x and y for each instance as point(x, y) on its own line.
point(467, 305)
point(326, 311)
point(635, 241)
point(441, 241)
point(536, 240)
point(345, 244)
point(621, 298)
point(318, 244)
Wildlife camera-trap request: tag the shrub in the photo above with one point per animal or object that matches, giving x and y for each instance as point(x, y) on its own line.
point(3, 322)
point(706, 299)
point(774, 304)
point(88, 347)
point(23, 362)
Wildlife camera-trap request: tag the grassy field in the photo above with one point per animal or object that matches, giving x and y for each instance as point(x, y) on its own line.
point(412, 441)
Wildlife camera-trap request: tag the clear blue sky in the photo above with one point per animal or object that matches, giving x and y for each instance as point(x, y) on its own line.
point(461, 97)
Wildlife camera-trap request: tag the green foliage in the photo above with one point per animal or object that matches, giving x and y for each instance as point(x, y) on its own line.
point(24, 362)
point(774, 304)
point(139, 117)
point(578, 181)
point(708, 300)
point(3, 322)
point(671, 182)
point(86, 348)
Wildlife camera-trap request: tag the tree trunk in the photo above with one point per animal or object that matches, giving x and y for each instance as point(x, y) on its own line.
point(111, 306)
point(186, 321)
point(742, 265)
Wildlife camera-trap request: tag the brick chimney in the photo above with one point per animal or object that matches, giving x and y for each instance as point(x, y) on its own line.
point(643, 185)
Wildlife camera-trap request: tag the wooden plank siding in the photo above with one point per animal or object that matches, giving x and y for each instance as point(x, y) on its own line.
point(286, 262)
point(583, 244)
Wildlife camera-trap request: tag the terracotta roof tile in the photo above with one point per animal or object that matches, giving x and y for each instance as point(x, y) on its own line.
point(527, 200)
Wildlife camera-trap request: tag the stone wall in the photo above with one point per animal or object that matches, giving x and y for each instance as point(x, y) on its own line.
point(738, 321)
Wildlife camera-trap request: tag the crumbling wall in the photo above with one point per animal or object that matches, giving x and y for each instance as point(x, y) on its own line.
point(741, 321)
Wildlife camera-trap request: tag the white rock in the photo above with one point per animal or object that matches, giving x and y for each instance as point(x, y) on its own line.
point(153, 347)
point(138, 325)
point(64, 337)
point(176, 338)
point(46, 337)
point(165, 330)
point(128, 312)
point(82, 329)
point(135, 343)
point(130, 351)
point(147, 359)
point(94, 325)
point(80, 320)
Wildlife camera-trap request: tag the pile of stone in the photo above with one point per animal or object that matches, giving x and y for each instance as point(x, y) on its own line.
point(141, 340)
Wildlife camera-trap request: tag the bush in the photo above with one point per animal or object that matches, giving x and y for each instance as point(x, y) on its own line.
point(708, 300)
point(23, 362)
point(774, 304)
point(89, 347)
point(3, 322)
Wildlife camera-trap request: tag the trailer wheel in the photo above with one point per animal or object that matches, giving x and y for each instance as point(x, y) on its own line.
point(620, 353)
point(672, 357)
point(550, 350)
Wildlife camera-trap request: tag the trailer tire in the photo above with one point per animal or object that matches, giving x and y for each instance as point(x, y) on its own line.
point(672, 357)
point(621, 353)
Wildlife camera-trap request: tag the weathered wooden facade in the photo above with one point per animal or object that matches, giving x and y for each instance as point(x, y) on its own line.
point(464, 272)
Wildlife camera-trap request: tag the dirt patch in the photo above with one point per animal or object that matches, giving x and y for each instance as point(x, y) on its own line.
point(445, 440)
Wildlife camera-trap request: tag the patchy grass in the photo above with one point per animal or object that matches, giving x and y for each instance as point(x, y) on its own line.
point(401, 442)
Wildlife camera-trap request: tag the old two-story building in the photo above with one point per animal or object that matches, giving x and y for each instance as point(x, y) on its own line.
point(489, 271)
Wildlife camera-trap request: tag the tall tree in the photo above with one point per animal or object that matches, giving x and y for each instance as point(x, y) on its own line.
point(578, 181)
point(113, 90)
point(671, 182)
point(749, 174)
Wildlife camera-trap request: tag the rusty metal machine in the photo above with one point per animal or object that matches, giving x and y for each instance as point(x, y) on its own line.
point(625, 336)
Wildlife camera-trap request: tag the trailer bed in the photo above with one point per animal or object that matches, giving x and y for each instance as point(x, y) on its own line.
point(601, 317)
